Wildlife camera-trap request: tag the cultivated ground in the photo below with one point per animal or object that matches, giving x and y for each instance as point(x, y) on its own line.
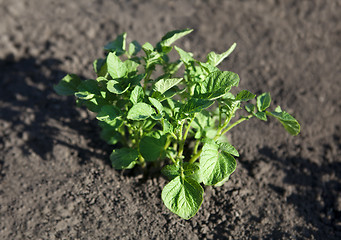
point(55, 178)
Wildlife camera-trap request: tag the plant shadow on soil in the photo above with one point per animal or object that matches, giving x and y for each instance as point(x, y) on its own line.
point(29, 104)
point(315, 197)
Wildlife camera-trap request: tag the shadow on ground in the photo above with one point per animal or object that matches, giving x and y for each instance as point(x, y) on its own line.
point(28, 104)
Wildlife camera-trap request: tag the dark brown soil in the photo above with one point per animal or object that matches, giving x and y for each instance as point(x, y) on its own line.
point(55, 178)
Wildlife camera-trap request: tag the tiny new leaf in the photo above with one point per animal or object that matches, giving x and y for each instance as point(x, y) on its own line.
point(214, 59)
point(289, 123)
point(263, 101)
point(172, 36)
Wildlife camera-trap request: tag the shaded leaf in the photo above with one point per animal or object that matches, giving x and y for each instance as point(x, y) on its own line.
point(134, 48)
point(124, 158)
point(68, 85)
point(109, 133)
point(152, 147)
point(171, 171)
point(118, 45)
point(109, 114)
point(100, 67)
point(87, 89)
point(116, 87)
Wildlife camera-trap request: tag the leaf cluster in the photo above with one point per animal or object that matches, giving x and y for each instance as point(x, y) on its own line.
point(163, 118)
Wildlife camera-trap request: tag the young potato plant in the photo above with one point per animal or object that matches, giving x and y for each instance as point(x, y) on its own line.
point(179, 122)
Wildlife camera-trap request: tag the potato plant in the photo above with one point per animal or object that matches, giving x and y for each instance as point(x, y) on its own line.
point(171, 113)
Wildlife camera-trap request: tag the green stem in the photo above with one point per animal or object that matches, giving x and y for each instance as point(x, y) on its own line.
point(184, 137)
point(146, 79)
point(227, 121)
point(219, 115)
point(195, 156)
point(195, 150)
point(235, 124)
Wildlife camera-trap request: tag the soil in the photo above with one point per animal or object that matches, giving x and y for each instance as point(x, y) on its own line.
point(55, 178)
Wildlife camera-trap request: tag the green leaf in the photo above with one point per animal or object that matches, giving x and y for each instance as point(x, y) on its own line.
point(214, 59)
point(109, 114)
point(131, 66)
point(134, 48)
point(183, 196)
point(263, 101)
point(230, 106)
point(167, 126)
point(172, 68)
point(140, 111)
point(94, 104)
point(137, 95)
point(171, 171)
point(156, 104)
point(165, 84)
point(250, 108)
point(190, 168)
point(245, 95)
point(118, 45)
point(289, 122)
point(147, 48)
point(87, 89)
point(216, 85)
point(100, 67)
point(195, 105)
point(172, 36)
point(124, 158)
point(201, 121)
point(228, 148)
point(109, 133)
point(152, 147)
point(208, 68)
point(186, 57)
point(215, 164)
point(116, 87)
point(260, 115)
point(116, 68)
point(68, 85)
